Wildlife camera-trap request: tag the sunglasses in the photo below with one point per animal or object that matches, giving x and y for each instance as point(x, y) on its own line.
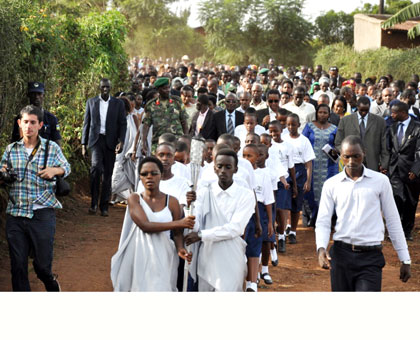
point(230, 101)
point(147, 173)
point(273, 101)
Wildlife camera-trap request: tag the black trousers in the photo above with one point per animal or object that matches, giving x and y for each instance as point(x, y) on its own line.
point(103, 160)
point(37, 232)
point(407, 209)
point(356, 271)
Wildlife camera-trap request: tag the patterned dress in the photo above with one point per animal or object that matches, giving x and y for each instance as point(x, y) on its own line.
point(322, 167)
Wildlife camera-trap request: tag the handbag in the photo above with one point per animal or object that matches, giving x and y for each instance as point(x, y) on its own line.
point(62, 187)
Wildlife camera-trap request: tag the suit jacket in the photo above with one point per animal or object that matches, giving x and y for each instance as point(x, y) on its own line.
point(208, 130)
point(260, 116)
point(220, 121)
point(404, 158)
point(374, 140)
point(115, 126)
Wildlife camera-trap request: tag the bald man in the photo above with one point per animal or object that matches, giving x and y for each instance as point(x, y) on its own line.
point(244, 101)
point(383, 110)
point(226, 120)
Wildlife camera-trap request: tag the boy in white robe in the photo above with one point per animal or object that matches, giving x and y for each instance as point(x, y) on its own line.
point(222, 210)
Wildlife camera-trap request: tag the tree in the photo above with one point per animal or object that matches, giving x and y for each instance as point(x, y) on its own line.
point(333, 27)
point(391, 7)
point(405, 14)
point(241, 32)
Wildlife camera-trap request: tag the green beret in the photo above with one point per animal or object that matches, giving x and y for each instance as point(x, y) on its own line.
point(263, 70)
point(161, 82)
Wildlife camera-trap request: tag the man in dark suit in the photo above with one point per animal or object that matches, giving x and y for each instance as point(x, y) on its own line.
point(372, 129)
point(202, 122)
point(227, 120)
point(404, 164)
point(104, 130)
point(265, 116)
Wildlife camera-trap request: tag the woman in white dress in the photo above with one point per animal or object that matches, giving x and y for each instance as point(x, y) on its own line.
point(124, 175)
point(147, 258)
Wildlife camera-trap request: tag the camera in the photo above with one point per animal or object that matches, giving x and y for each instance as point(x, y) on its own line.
point(8, 176)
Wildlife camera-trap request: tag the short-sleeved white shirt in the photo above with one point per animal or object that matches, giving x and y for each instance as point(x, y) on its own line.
point(240, 132)
point(263, 189)
point(284, 151)
point(303, 149)
point(180, 170)
point(244, 177)
point(272, 173)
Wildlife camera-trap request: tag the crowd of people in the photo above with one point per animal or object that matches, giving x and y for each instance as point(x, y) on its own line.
point(280, 145)
point(273, 138)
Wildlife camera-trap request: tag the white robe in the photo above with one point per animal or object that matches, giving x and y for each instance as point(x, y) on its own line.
point(145, 261)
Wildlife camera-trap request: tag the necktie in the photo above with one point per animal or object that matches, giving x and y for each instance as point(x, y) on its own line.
point(400, 134)
point(230, 129)
point(362, 128)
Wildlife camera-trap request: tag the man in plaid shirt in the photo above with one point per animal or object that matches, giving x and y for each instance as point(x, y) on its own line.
point(30, 221)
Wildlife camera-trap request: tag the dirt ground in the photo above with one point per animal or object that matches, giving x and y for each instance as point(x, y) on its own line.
point(84, 245)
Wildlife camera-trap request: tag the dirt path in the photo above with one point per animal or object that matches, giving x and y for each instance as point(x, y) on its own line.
point(85, 244)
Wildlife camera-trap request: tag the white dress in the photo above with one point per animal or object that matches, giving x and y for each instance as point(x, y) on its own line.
point(145, 262)
point(124, 174)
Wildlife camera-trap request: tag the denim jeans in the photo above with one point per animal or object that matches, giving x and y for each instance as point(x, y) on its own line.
point(37, 233)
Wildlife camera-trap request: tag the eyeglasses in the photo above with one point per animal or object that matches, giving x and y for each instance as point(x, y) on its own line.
point(153, 173)
point(273, 101)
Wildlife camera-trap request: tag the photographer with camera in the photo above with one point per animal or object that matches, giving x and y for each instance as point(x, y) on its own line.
point(30, 221)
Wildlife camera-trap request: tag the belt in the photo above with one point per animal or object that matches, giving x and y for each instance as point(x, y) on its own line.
point(356, 248)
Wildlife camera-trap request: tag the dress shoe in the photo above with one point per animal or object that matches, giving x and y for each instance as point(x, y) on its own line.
point(104, 213)
point(292, 239)
point(267, 278)
point(92, 210)
point(282, 246)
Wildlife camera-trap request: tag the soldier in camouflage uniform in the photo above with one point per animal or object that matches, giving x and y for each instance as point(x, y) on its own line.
point(166, 113)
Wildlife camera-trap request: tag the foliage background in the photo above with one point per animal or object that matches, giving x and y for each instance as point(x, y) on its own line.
point(66, 51)
point(401, 63)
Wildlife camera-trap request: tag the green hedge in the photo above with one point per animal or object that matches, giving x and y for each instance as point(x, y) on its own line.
point(69, 53)
point(401, 63)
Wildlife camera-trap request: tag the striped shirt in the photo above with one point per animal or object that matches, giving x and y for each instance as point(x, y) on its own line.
point(30, 189)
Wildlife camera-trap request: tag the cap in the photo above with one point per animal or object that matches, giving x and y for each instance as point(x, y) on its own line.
point(323, 80)
point(35, 86)
point(264, 70)
point(161, 82)
point(185, 57)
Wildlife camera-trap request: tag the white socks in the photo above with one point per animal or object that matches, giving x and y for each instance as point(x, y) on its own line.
point(273, 254)
point(281, 237)
point(264, 269)
point(292, 232)
point(252, 285)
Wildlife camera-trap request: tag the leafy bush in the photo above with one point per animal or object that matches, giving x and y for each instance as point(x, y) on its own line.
point(401, 63)
point(69, 53)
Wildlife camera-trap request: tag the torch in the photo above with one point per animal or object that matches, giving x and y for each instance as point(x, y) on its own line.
point(196, 159)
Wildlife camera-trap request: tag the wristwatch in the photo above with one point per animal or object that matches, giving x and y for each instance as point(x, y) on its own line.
point(199, 234)
point(406, 262)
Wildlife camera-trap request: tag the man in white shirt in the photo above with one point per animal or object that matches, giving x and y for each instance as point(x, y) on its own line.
point(222, 211)
point(257, 102)
point(324, 83)
point(359, 196)
point(305, 111)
